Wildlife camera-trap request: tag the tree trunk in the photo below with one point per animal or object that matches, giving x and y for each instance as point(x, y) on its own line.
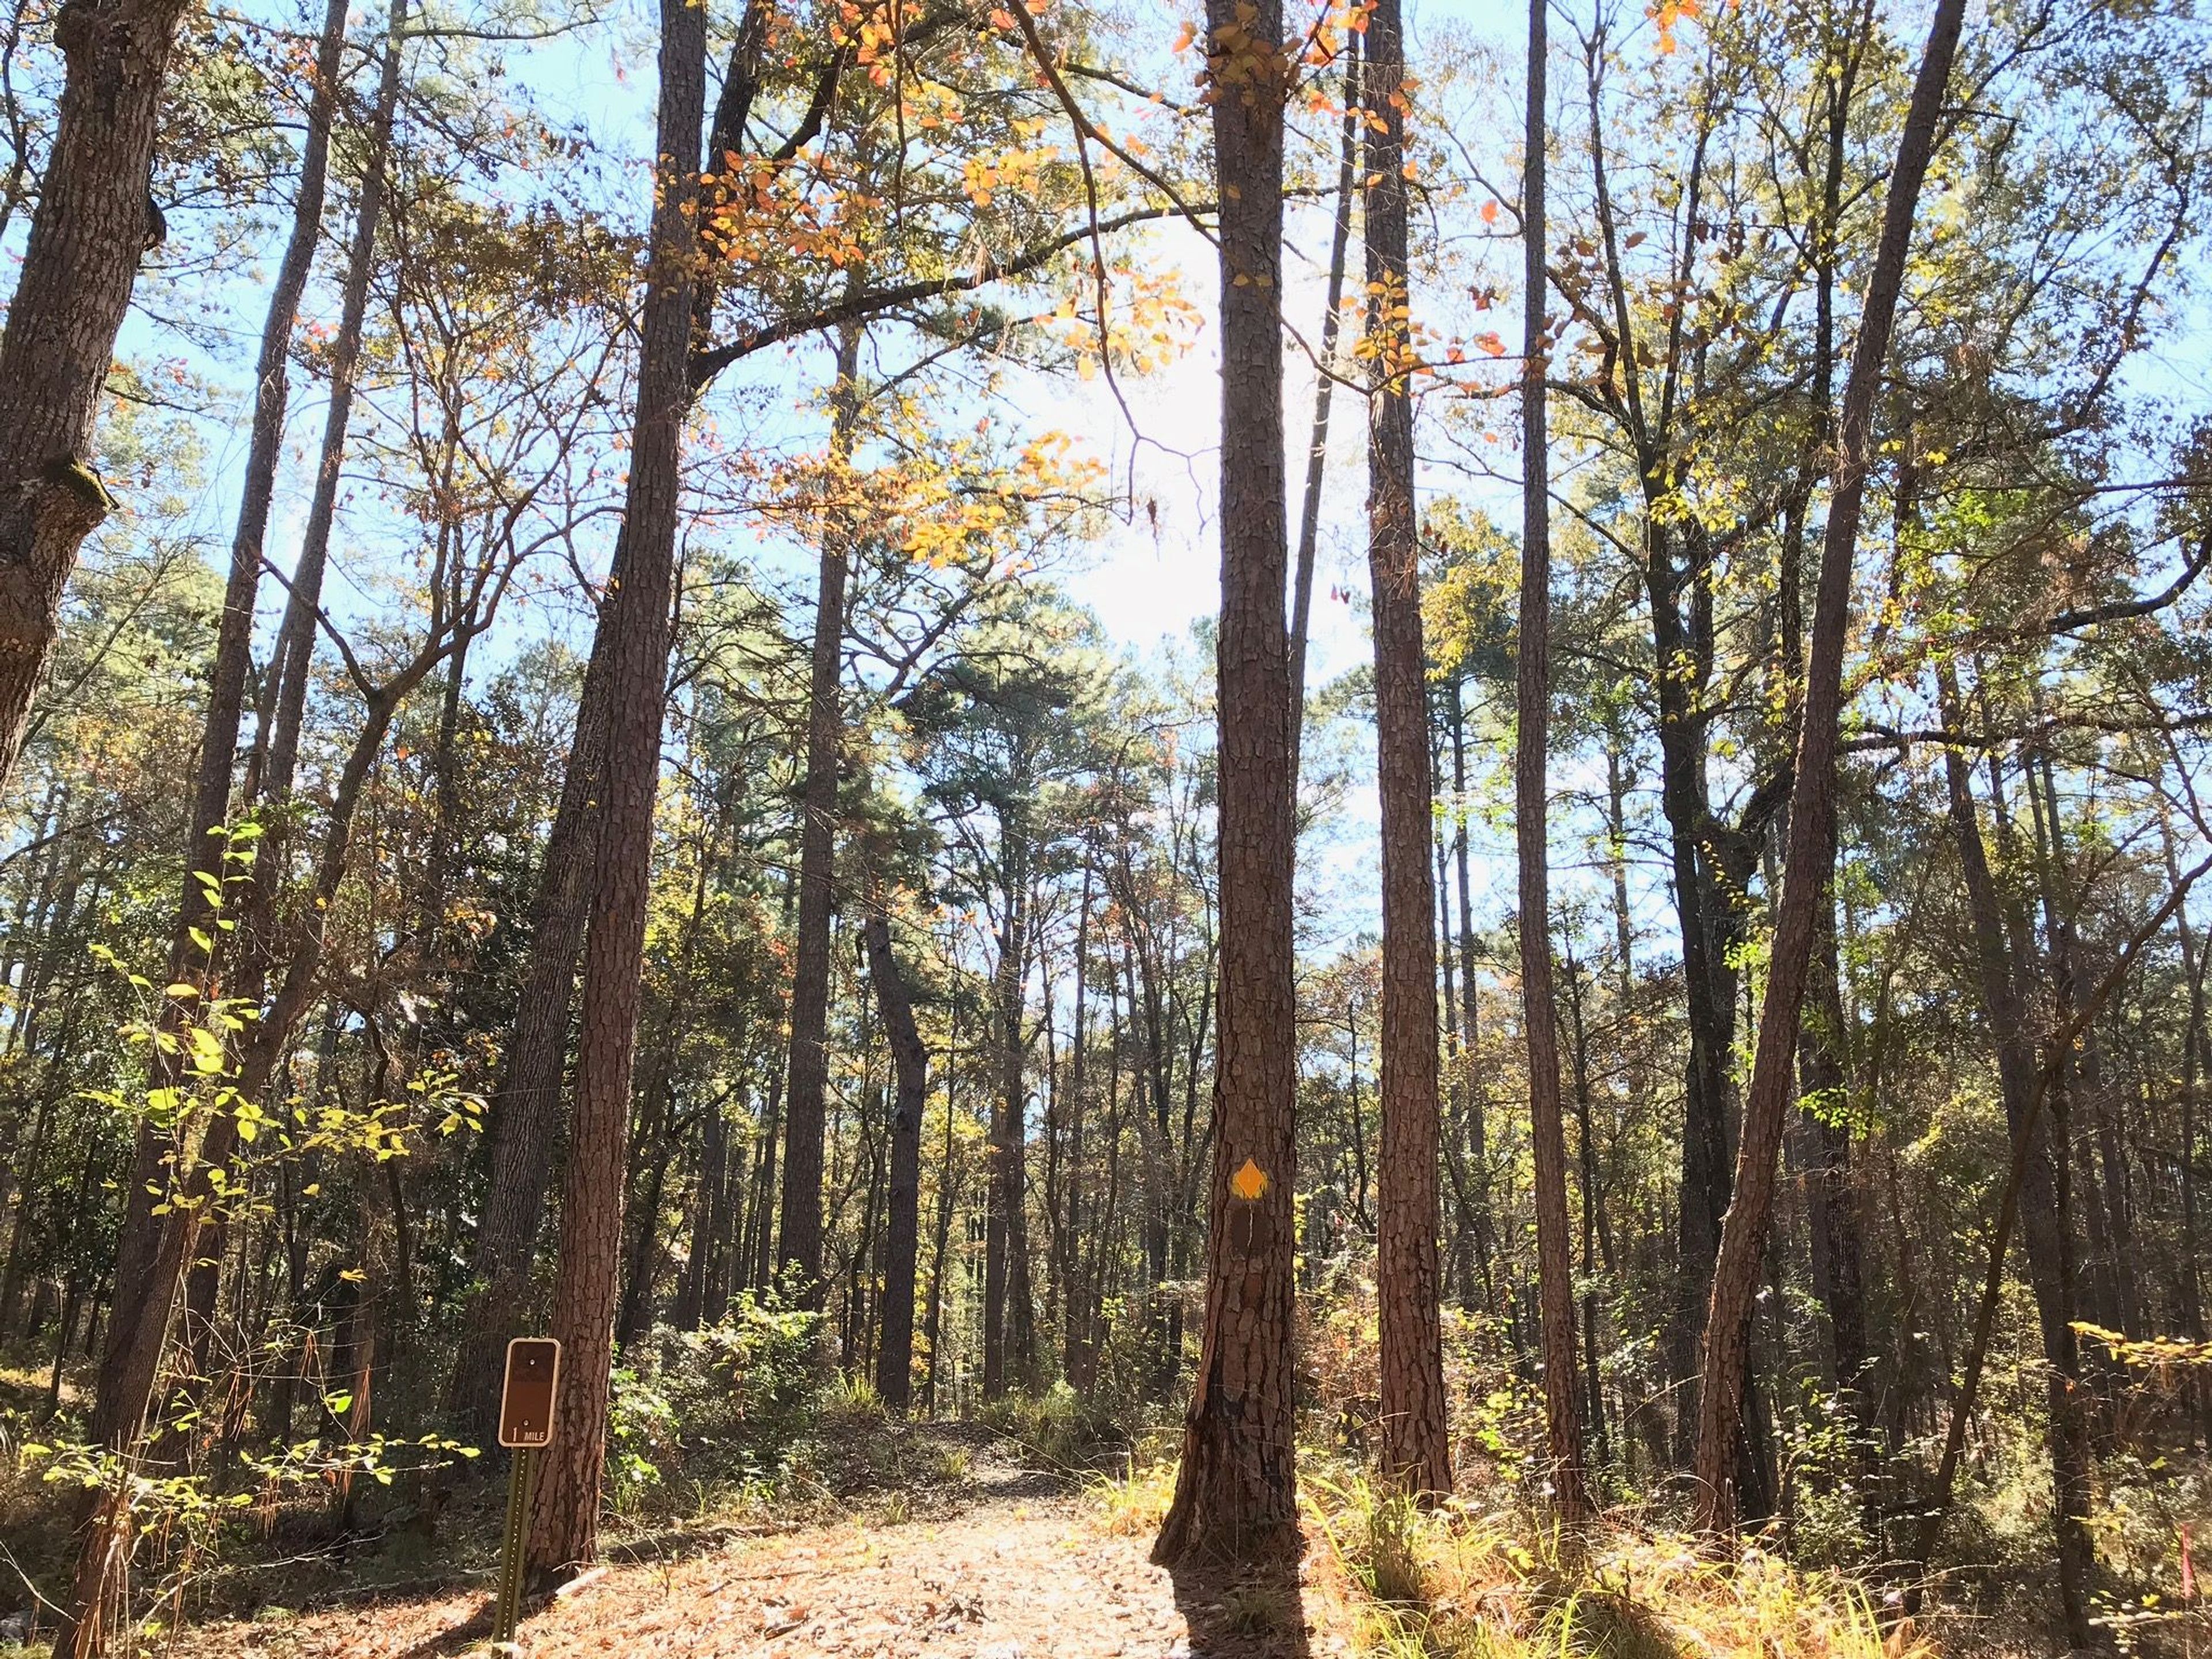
point(1811, 856)
point(1415, 1449)
point(2196, 1055)
point(204, 852)
point(525, 1108)
point(799, 1243)
point(1236, 1487)
point(150, 1253)
point(903, 1222)
point(564, 1515)
point(1332, 321)
point(276, 742)
point(710, 1221)
point(1555, 1286)
point(948, 1186)
point(2035, 1183)
point(1838, 1250)
point(1009, 1321)
point(1470, 998)
point(93, 225)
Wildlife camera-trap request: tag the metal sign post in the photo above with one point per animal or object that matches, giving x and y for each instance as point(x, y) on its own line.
point(525, 1423)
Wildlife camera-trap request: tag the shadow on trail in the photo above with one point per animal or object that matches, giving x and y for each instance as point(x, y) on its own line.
point(1242, 1613)
point(460, 1638)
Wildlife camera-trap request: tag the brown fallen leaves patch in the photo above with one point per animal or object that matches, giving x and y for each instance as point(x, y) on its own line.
point(1036, 1580)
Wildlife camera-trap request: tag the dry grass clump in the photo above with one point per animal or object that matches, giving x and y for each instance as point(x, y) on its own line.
point(1133, 1505)
point(1463, 1583)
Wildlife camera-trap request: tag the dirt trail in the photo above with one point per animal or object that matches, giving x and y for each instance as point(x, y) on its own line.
point(1020, 1570)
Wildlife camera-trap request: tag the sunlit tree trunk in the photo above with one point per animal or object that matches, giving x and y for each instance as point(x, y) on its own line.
point(1811, 857)
point(565, 1513)
point(1415, 1450)
point(798, 1244)
point(1555, 1291)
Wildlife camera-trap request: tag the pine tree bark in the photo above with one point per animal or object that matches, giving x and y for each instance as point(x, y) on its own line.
point(799, 1246)
point(525, 1117)
point(1555, 1288)
point(1236, 1488)
point(565, 1513)
point(1810, 860)
point(91, 229)
point(1415, 1451)
point(902, 1209)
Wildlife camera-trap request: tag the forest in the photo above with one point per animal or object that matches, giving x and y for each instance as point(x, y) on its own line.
point(1237, 829)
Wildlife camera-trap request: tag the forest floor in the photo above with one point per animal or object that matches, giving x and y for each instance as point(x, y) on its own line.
point(1013, 1565)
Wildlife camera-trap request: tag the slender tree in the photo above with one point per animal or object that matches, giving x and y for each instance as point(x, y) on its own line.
point(1531, 741)
point(1811, 856)
point(139, 1322)
point(1416, 1450)
point(902, 1205)
point(1332, 324)
point(798, 1238)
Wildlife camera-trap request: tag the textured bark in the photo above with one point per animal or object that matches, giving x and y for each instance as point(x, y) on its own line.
point(1555, 1289)
point(79, 265)
point(1415, 1451)
point(799, 1246)
point(1811, 857)
point(903, 1215)
point(1236, 1487)
point(565, 1512)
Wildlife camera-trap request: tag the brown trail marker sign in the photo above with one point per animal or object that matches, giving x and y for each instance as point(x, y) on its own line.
point(525, 1423)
